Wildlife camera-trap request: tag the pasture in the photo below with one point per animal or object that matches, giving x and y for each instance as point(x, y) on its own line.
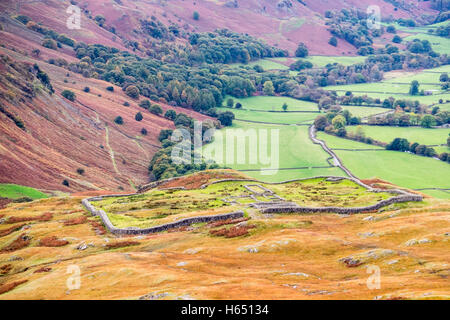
point(14, 191)
point(413, 134)
point(362, 112)
point(293, 150)
point(273, 103)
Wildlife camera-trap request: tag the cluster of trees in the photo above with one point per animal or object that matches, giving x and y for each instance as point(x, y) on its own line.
point(225, 46)
point(156, 29)
point(403, 119)
point(403, 145)
point(441, 31)
point(52, 38)
point(334, 122)
point(163, 166)
point(351, 25)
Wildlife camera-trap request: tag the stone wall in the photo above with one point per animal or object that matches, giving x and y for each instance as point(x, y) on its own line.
point(137, 231)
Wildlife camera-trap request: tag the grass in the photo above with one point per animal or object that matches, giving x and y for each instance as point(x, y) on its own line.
point(14, 191)
point(159, 206)
point(266, 64)
point(220, 268)
point(273, 117)
point(402, 169)
point(439, 44)
point(398, 87)
point(294, 148)
point(272, 103)
point(360, 111)
point(413, 134)
point(322, 61)
point(340, 143)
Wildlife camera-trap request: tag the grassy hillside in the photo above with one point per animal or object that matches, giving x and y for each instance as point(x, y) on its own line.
point(14, 191)
point(285, 257)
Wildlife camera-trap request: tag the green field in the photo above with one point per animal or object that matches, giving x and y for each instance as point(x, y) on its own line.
point(266, 64)
point(14, 191)
point(403, 169)
point(295, 150)
point(439, 44)
point(157, 207)
point(413, 134)
point(273, 117)
point(322, 61)
point(340, 143)
point(398, 87)
point(269, 103)
point(359, 111)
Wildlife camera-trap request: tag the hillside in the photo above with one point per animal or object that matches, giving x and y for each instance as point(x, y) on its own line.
point(263, 256)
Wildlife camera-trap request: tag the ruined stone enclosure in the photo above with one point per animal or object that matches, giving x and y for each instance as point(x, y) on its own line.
point(158, 210)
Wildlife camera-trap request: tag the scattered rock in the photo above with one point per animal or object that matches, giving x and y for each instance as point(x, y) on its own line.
point(369, 218)
point(154, 296)
point(392, 262)
point(181, 264)
point(82, 246)
point(299, 274)
point(15, 258)
point(366, 234)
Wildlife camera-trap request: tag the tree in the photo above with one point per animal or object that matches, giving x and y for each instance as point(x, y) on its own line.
point(230, 103)
point(170, 114)
point(226, 118)
point(420, 149)
point(302, 50)
point(144, 131)
point(145, 104)
point(132, 91)
point(65, 182)
point(285, 106)
point(156, 109)
point(196, 15)
point(333, 41)
point(443, 77)
point(80, 171)
point(238, 105)
point(321, 122)
point(391, 29)
point(427, 121)
point(138, 116)
point(396, 39)
point(86, 89)
point(118, 120)
point(49, 43)
point(164, 134)
point(110, 88)
point(69, 95)
point(448, 142)
point(414, 89)
point(338, 122)
point(268, 89)
point(398, 144)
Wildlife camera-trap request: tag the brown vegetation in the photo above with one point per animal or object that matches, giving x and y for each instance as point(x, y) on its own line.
point(10, 230)
point(47, 216)
point(121, 244)
point(232, 232)
point(9, 286)
point(43, 269)
point(52, 242)
point(75, 221)
point(20, 242)
point(5, 269)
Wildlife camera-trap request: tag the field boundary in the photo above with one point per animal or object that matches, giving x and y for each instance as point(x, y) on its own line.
point(160, 228)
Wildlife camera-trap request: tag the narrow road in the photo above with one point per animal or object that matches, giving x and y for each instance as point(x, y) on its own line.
point(336, 160)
